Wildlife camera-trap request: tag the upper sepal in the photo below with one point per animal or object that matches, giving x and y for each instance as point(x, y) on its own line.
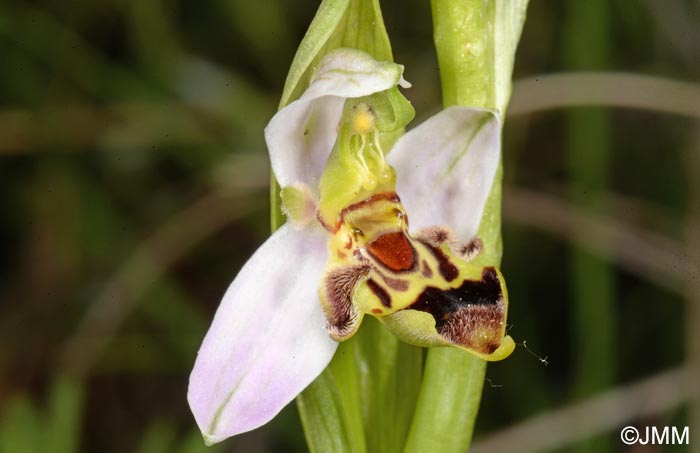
point(445, 169)
point(301, 135)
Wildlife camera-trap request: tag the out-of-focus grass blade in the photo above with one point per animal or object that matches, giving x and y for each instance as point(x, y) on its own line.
point(65, 415)
point(26, 429)
point(192, 443)
point(586, 46)
point(159, 438)
point(20, 425)
point(264, 28)
point(154, 40)
point(47, 39)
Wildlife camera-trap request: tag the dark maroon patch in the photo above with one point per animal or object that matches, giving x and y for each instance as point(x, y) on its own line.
point(380, 292)
point(459, 312)
point(440, 303)
point(394, 251)
point(448, 270)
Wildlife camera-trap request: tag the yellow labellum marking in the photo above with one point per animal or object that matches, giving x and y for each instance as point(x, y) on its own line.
point(418, 286)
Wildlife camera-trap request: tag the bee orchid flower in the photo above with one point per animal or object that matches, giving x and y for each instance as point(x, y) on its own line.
point(348, 247)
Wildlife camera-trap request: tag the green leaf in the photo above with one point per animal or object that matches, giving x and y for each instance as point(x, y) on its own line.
point(321, 411)
point(390, 375)
point(509, 21)
point(311, 50)
point(365, 400)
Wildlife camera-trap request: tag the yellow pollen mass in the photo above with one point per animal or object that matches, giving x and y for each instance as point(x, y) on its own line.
point(363, 120)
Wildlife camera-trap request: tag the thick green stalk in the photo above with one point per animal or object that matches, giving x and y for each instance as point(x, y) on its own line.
point(475, 42)
point(586, 48)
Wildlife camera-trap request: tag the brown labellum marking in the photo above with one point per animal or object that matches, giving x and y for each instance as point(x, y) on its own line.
point(394, 251)
point(390, 196)
point(394, 283)
point(339, 284)
point(448, 270)
point(333, 228)
point(377, 311)
point(470, 315)
point(341, 255)
point(380, 292)
point(425, 269)
point(435, 236)
point(471, 249)
point(348, 243)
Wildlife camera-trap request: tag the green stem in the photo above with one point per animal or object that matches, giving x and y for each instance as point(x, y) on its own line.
point(453, 380)
point(464, 40)
point(475, 42)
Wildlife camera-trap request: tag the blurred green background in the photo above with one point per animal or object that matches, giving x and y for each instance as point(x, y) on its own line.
point(133, 186)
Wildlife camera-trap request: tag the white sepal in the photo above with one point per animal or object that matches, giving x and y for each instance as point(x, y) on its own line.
point(267, 341)
point(445, 169)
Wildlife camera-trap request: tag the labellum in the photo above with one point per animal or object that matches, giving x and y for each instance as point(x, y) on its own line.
point(423, 287)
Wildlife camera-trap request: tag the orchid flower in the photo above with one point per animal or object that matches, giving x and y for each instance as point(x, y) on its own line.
point(348, 248)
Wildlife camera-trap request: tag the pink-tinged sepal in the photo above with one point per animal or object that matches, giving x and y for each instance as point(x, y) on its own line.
point(445, 169)
point(267, 341)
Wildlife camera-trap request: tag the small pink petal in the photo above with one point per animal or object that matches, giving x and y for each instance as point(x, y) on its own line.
point(445, 169)
point(267, 341)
